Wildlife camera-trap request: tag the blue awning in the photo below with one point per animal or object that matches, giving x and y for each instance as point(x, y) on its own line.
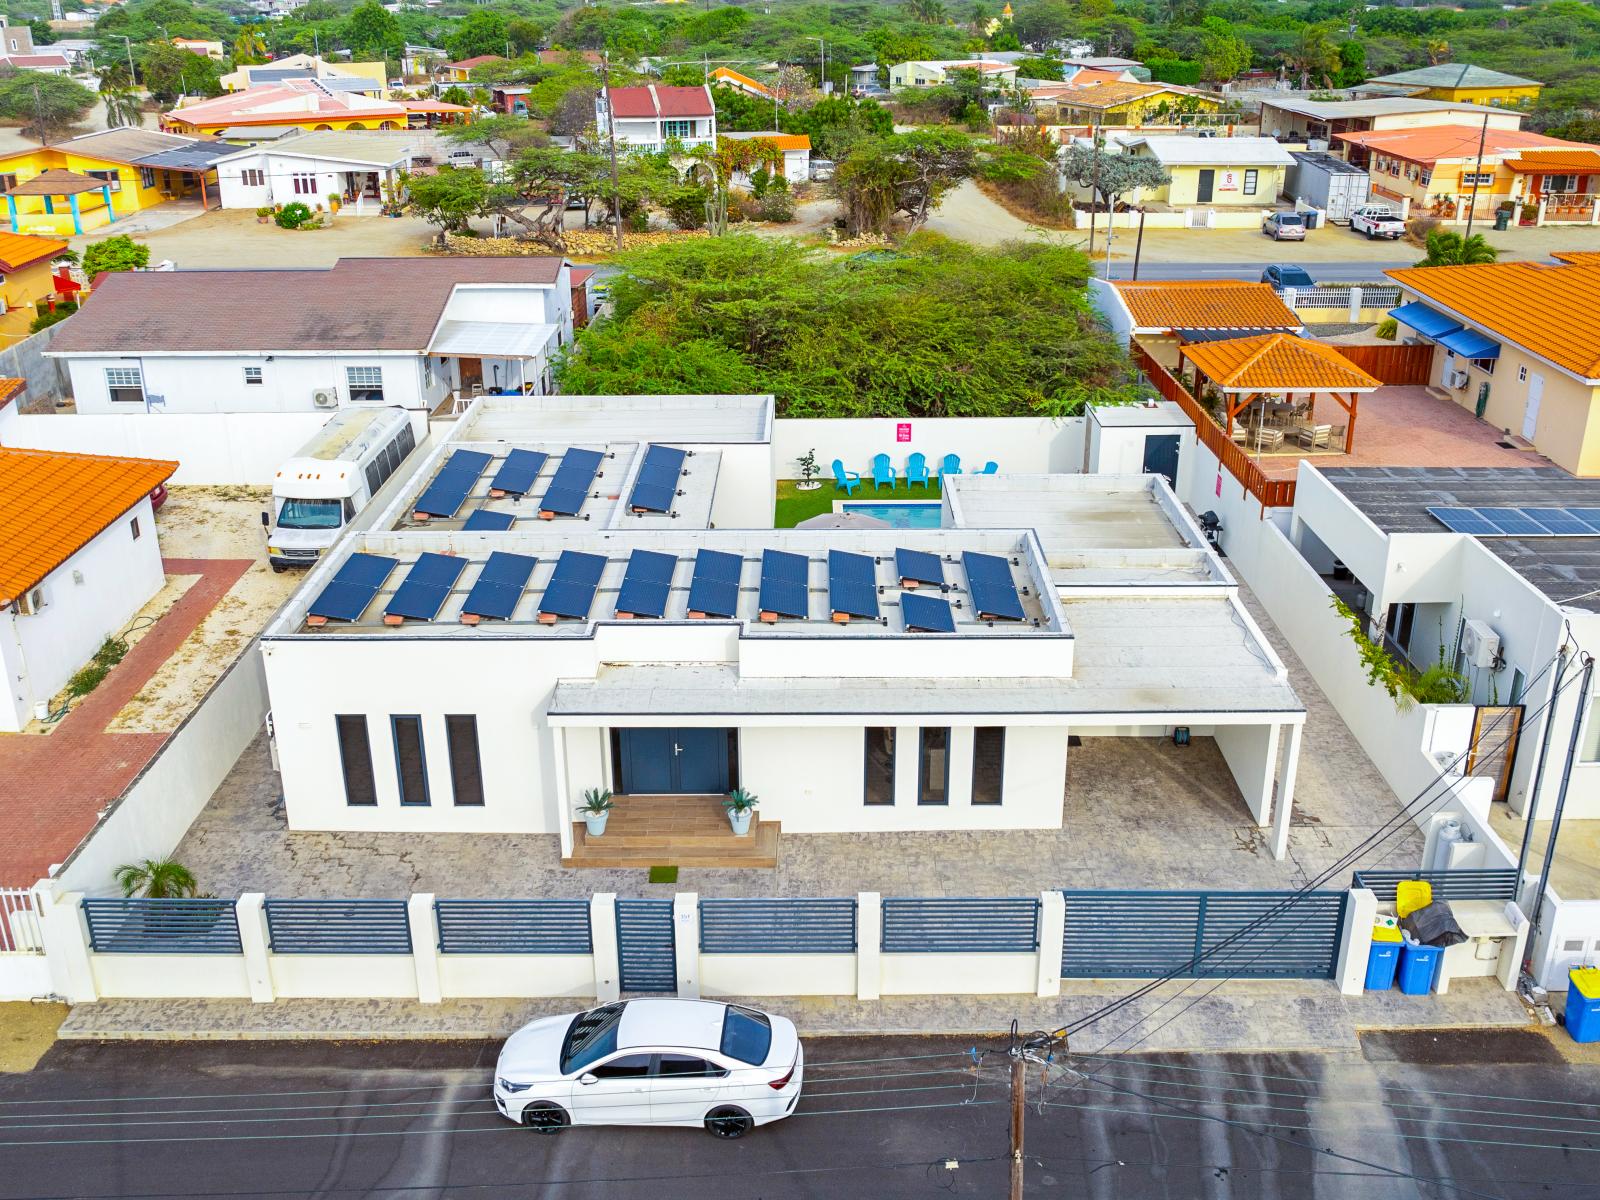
point(1424, 320)
point(1469, 343)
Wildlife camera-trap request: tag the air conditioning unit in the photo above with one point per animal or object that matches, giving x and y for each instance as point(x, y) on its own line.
point(1457, 379)
point(31, 602)
point(1479, 643)
point(325, 398)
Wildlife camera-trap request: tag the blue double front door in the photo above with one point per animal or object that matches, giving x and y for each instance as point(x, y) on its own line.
point(682, 761)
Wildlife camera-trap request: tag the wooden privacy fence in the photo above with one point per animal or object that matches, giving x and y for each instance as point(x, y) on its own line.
point(1397, 364)
point(1272, 493)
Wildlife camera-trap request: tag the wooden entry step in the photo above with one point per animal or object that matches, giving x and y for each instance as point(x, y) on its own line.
point(683, 831)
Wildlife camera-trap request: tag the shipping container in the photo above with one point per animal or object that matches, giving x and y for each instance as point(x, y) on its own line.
point(1325, 182)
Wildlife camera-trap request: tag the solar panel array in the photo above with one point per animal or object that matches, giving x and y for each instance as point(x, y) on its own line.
point(426, 586)
point(569, 487)
point(1520, 522)
point(646, 584)
point(499, 586)
point(487, 521)
point(989, 582)
point(918, 566)
point(350, 591)
point(714, 588)
point(657, 482)
point(570, 592)
point(517, 473)
point(852, 584)
point(784, 586)
point(450, 487)
point(927, 614)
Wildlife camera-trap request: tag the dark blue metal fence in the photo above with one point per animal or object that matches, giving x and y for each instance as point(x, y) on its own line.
point(1497, 884)
point(338, 927)
point(646, 946)
point(777, 926)
point(513, 926)
point(1202, 935)
point(960, 925)
point(162, 926)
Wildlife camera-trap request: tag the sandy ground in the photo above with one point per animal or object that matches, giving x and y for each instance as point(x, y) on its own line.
point(26, 1032)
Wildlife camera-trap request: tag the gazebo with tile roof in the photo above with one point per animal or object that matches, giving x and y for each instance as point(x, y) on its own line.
point(1250, 369)
point(59, 182)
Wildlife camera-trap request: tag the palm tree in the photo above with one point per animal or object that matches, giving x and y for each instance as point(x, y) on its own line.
point(1449, 249)
point(156, 879)
point(250, 46)
point(122, 105)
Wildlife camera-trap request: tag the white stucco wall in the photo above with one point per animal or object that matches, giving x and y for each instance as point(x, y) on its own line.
point(278, 186)
point(1021, 445)
point(215, 383)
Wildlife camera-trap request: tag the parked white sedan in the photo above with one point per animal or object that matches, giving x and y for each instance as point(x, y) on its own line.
point(652, 1062)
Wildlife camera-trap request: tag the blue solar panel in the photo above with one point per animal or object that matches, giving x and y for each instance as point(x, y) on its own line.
point(1513, 521)
point(426, 585)
point(927, 614)
point(1560, 522)
point(852, 584)
point(516, 475)
point(1589, 516)
point(646, 584)
point(484, 521)
point(783, 584)
point(714, 589)
point(989, 582)
point(346, 597)
point(919, 566)
point(1464, 520)
point(569, 487)
point(570, 591)
point(657, 483)
point(499, 586)
point(452, 484)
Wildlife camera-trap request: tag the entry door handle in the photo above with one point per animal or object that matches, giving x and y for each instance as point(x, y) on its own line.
point(676, 749)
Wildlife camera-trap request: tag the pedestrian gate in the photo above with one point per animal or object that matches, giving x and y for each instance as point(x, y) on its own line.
point(1202, 935)
point(646, 946)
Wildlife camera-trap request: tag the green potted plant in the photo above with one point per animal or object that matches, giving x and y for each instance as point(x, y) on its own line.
point(594, 810)
point(263, 214)
point(808, 471)
point(741, 806)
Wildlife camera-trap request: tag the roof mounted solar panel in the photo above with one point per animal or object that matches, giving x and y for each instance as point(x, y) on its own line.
point(498, 588)
point(451, 485)
point(852, 585)
point(350, 591)
point(569, 487)
point(714, 589)
point(646, 584)
point(994, 594)
point(1513, 522)
point(426, 586)
point(784, 585)
point(1560, 522)
point(1589, 516)
point(1465, 520)
point(487, 521)
point(516, 475)
point(918, 566)
point(927, 614)
point(657, 482)
point(570, 592)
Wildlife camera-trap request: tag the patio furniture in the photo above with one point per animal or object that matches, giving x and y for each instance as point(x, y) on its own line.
point(990, 468)
point(847, 481)
point(1268, 439)
point(882, 472)
point(917, 469)
point(950, 465)
point(1313, 436)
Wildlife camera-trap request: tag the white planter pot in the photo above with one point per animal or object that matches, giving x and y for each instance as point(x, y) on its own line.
point(595, 823)
point(741, 821)
point(807, 487)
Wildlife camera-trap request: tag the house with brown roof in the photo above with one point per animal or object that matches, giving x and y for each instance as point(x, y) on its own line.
point(78, 558)
point(406, 332)
point(647, 118)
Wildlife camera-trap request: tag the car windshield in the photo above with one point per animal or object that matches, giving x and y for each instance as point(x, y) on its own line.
point(746, 1035)
point(591, 1036)
point(310, 514)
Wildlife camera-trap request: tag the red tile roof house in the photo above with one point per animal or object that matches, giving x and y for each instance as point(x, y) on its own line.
point(647, 116)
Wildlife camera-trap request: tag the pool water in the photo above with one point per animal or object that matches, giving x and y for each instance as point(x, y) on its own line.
point(901, 516)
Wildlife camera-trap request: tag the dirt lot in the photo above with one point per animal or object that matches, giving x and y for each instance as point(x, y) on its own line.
point(26, 1032)
point(233, 238)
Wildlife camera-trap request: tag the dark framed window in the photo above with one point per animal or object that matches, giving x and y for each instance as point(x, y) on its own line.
point(133, 525)
point(147, 177)
point(253, 377)
point(933, 767)
point(355, 760)
point(466, 767)
point(125, 384)
point(878, 785)
point(988, 763)
point(410, 762)
point(1250, 178)
point(365, 383)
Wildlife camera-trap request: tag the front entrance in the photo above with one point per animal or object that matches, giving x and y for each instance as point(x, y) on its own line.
point(695, 762)
point(1530, 414)
point(471, 370)
point(1206, 186)
point(1161, 456)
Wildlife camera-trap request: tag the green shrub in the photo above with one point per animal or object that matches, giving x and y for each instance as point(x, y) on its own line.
point(687, 208)
point(639, 222)
point(1388, 329)
point(778, 206)
point(112, 651)
point(47, 318)
point(293, 216)
point(87, 679)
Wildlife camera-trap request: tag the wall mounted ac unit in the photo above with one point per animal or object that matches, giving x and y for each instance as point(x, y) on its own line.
point(1480, 644)
point(1457, 379)
point(31, 602)
point(325, 398)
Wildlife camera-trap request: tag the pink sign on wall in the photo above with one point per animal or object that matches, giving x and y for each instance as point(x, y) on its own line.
point(902, 431)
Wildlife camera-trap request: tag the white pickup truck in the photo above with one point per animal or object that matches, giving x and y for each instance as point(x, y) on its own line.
point(1376, 221)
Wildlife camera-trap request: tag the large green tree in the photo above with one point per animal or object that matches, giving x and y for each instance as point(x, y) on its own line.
point(481, 31)
point(903, 175)
point(371, 32)
point(46, 105)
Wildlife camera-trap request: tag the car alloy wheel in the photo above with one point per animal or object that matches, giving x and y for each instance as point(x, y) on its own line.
point(544, 1117)
point(729, 1122)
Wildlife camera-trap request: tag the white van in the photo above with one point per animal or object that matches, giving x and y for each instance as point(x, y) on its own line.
point(334, 477)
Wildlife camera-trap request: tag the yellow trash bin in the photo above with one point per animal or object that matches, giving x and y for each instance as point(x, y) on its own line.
point(1410, 895)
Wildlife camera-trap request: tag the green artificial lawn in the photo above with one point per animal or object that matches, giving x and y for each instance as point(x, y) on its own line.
point(663, 874)
point(793, 506)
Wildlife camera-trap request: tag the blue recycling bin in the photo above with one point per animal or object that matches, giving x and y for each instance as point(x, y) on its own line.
point(1583, 1011)
point(1417, 967)
point(1381, 964)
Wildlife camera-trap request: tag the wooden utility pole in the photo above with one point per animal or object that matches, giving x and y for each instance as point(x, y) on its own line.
point(1094, 184)
point(611, 137)
point(1477, 174)
point(1019, 1081)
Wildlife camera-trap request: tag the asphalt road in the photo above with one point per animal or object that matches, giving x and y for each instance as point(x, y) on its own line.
point(879, 1118)
point(1322, 272)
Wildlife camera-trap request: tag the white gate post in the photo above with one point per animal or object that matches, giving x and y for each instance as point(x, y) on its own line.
point(603, 936)
point(424, 946)
point(686, 943)
point(1355, 941)
point(1052, 940)
point(250, 911)
point(1355, 304)
point(869, 945)
point(66, 946)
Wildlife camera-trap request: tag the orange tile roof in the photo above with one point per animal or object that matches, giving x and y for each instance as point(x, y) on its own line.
point(1552, 311)
point(56, 503)
point(1559, 160)
point(1108, 95)
point(1205, 304)
point(729, 75)
point(1430, 143)
point(18, 250)
point(1577, 257)
point(1277, 362)
point(10, 389)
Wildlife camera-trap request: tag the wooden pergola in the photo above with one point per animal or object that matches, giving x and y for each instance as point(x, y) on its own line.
point(1249, 370)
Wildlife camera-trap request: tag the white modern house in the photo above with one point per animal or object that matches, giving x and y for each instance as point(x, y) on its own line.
point(78, 558)
point(587, 592)
point(795, 149)
point(646, 118)
point(410, 332)
point(357, 169)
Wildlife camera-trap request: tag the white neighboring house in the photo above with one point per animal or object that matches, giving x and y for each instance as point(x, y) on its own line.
point(646, 117)
point(795, 148)
point(46, 64)
point(356, 166)
point(78, 558)
point(395, 331)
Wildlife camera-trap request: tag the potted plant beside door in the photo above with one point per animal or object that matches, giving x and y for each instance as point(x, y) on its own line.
point(594, 810)
point(741, 806)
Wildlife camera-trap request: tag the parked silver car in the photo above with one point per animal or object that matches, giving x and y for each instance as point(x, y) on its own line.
point(1285, 227)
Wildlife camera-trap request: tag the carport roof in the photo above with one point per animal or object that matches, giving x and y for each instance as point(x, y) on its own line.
point(1205, 304)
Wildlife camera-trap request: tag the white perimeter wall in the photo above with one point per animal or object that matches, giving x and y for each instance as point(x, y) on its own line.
point(1021, 445)
point(215, 383)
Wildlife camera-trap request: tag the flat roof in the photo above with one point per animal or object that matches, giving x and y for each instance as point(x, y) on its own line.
point(1380, 106)
point(1069, 512)
point(698, 420)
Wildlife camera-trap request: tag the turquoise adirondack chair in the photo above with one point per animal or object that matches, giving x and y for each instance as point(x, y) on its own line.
point(917, 469)
point(846, 481)
point(951, 465)
point(990, 468)
point(882, 472)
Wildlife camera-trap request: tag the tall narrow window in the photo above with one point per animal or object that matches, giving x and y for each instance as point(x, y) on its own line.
point(988, 763)
point(1250, 178)
point(878, 786)
point(410, 764)
point(933, 767)
point(355, 759)
point(466, 768)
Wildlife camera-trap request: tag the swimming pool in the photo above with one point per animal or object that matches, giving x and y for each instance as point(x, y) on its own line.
point(901, 516)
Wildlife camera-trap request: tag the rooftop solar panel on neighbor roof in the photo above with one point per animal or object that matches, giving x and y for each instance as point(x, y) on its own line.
point(499, 586)
point(570, 592)
point(516, 475)
point(346, 597)
point(714, 589)
point(1513, 522)
point(927, 614)
point(657, 482)
point(423, 592)
point(989, 582)
point(1464, 520)
point(484, 521)
point(784, 585)
point(852, 584)
point(452, 484)
point(1560, 522)
point(569, 487)
point(919, 567)
point(1589, 516)
point(646, 584)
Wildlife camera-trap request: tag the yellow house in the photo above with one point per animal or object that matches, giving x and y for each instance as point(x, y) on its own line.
point(1130, 105)
point(207, 47)
point(309, 66)
point(1460, 82)
point(1245, 172)
point(25, 281)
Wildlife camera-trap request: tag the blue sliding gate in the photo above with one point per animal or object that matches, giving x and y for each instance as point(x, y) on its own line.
point(646, 946)
point(1202, 935)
